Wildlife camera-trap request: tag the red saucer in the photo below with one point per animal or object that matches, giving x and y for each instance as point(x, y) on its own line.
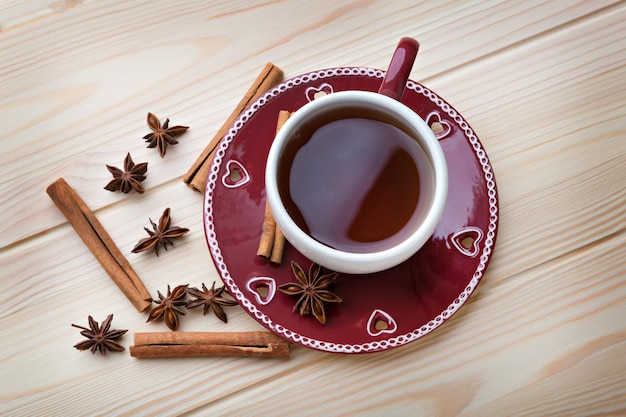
point(379, 311)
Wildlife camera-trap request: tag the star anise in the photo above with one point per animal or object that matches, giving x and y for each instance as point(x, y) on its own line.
point(100, 337)
point(128, 179)
point(168, 307)
point(211, 300)
point(312, 289)
point(162, 136)
point(161, 235)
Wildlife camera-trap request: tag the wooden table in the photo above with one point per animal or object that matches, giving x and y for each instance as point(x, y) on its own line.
point(541, 83)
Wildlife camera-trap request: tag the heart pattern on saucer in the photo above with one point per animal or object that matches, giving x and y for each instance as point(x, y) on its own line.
point(236, 175)
point(316, 92)
point(381, 322)
point(467, 241)
point(263, 289)
point(440, 127)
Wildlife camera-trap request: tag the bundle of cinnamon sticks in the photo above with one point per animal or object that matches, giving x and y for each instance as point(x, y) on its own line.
point(272, 242)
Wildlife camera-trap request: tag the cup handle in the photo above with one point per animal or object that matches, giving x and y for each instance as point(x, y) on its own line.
point(399, 68)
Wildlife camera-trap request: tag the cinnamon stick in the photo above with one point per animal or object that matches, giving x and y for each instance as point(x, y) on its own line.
point(197, 174)
point(279, 238)
point(279, 246)
point(268, 231)
point(272, 242)
point(96, 238)
point(186, 344)
point(283, 116)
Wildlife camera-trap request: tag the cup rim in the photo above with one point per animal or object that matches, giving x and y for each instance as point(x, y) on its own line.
point(362, 262)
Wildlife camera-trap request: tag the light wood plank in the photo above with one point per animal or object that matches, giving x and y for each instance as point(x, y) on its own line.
point(16, 13)
point(20, 12)
point(69, 120)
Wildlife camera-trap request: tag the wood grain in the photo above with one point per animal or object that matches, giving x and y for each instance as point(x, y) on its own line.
point(541, 84)
point(91, 112)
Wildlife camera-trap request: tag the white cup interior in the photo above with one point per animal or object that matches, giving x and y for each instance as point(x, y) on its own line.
point(432, 173)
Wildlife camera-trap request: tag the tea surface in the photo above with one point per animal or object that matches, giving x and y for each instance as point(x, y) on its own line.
point(351, 183)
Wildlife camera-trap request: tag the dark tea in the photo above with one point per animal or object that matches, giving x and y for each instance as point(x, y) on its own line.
point(351, 180)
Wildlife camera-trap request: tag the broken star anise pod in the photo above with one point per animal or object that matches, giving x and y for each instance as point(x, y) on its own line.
point(129, 179)
point(211, 300)
point(313, 289)
point(169, 307)
point(161, 235)
point(100, 337)
point(162, 136)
